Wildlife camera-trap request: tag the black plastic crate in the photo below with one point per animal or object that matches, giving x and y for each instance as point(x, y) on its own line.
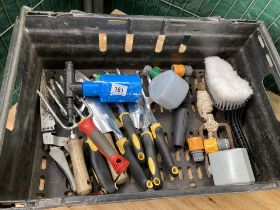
point(45, 40)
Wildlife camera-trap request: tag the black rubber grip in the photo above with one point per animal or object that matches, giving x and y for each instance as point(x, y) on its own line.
point(180, 127)
point(134, 167)
point(96, 162)
point(133, 137)
point(163, 150)
point(151, 157)
point(102, 143)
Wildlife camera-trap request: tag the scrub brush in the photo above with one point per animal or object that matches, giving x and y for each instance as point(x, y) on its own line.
point(227, 89)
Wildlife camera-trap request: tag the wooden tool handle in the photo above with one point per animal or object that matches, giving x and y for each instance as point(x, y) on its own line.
point(123, 177)
point(79, 167)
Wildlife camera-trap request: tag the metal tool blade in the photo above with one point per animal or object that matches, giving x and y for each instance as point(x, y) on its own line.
point(140, 115)
point(103, 116)
point(58, 155)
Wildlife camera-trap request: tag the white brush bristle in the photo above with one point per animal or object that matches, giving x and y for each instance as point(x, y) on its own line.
point(227, 89)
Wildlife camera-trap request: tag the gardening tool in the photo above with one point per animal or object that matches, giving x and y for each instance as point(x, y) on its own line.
point(138, 112)
point(59, 157)
point(131, 133)
point(97, 164)
point(158, 135)
point(86, 124)
point(55, 142)
point(105, 121)
point(109, 87)
point(82, 185)
point(121, 178)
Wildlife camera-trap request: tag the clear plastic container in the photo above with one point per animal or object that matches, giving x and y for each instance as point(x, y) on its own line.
point(168, 90)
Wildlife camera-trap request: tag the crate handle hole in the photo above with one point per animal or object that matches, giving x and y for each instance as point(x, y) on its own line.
point(181, 175)
point(261, 41)
point(182, 48)
point(184, 44)
point(103, 42)
point(269, 60)
point(187, 156)
point(177, 155)
point(128, 43)
point(199, 172)
point(190, 173)
point(44, 163)
point(160, 43)
point(68, 193)
point(162, 174)
point(41, 185)
point(192, 184)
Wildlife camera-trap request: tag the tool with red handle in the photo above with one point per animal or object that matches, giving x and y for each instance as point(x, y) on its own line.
point(118, 162)
point(87, 126)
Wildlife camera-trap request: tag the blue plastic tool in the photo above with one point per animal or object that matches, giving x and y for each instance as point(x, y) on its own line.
point(114, 88)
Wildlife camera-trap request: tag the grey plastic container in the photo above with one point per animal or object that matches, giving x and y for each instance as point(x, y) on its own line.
point(168, 90)
point(45, 40)
point(231, 167)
